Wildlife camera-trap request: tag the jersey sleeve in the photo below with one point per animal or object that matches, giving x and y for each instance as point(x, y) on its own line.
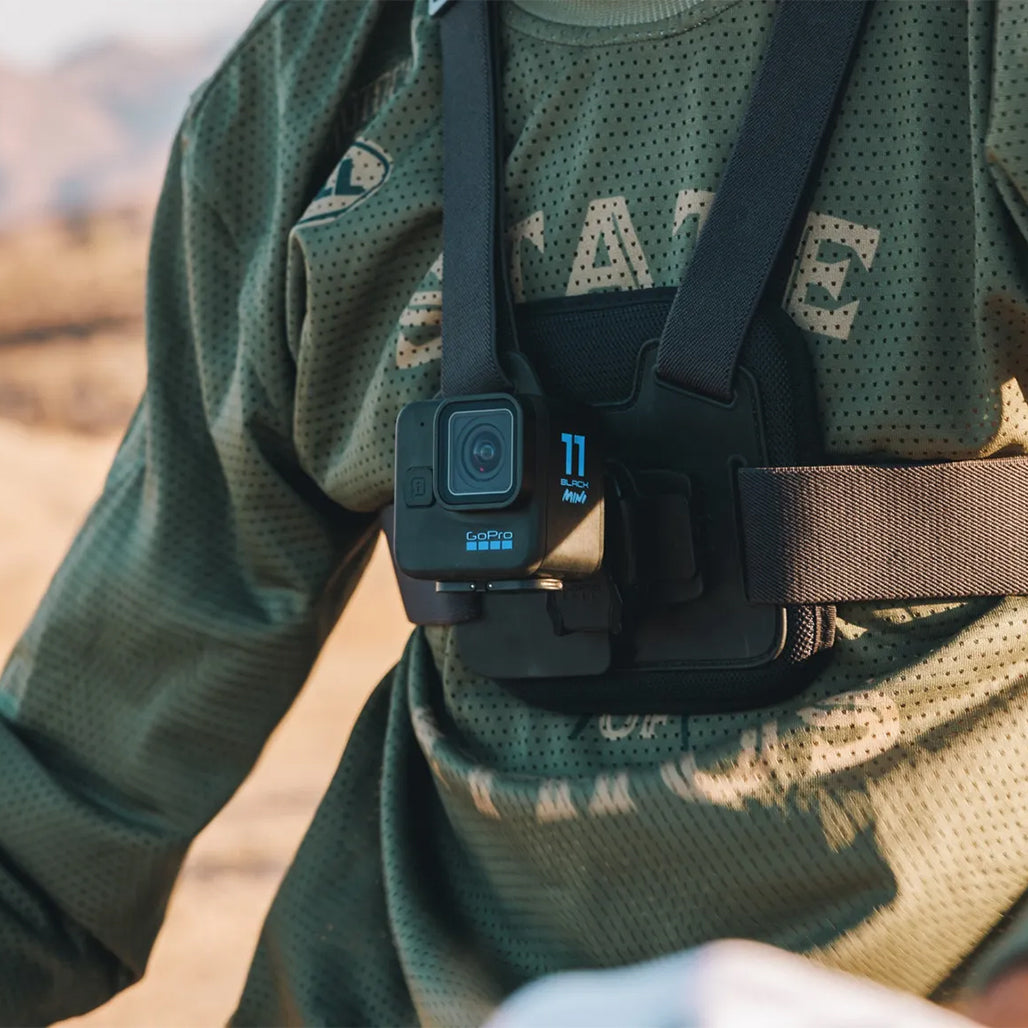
point(1007, 155)
point(182, 622)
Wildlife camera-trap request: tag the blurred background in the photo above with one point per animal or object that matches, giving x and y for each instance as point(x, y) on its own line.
point(90, 94)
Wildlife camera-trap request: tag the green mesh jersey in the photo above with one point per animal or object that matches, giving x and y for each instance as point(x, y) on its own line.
point(469, 842)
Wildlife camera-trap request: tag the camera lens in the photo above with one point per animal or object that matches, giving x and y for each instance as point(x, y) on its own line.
point(484, 451)
point(477, 453)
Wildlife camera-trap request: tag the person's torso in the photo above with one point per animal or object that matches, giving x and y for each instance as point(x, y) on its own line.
point(872, 820)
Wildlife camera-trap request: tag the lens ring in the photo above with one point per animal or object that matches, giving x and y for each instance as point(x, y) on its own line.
point(478, 454)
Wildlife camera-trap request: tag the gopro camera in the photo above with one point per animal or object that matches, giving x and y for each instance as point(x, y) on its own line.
point(497, 491)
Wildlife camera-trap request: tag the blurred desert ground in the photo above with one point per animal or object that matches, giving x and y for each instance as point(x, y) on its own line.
point(71, 368)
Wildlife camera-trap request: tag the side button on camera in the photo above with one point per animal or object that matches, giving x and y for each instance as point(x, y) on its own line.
point(417, 487)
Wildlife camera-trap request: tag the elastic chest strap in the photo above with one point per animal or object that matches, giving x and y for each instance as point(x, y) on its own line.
point(866, 532)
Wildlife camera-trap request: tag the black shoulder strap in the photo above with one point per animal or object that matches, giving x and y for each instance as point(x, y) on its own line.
point(794, 96)
point(477, 316)
point(795, 92)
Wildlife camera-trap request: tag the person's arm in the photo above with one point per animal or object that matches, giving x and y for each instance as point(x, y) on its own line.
point(190, 608)
point(997, 990)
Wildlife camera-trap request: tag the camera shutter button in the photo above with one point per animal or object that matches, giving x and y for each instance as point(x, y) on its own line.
point(417, 487)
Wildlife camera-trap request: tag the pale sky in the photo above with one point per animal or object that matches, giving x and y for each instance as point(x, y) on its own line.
point(33, 33)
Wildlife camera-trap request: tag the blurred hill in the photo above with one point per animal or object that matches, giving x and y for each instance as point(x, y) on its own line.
point(93, 131)
point(71, 320)
point(73, 275)
point(82, 151)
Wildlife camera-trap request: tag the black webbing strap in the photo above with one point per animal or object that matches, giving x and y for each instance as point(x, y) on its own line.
point(476, 309)
point(793, 97)
point(791, 104)
point(867, 532)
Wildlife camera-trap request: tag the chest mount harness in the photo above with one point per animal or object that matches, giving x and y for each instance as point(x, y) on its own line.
point(618, 499)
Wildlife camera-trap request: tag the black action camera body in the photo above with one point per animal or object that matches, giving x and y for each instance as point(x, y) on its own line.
point(498, 492)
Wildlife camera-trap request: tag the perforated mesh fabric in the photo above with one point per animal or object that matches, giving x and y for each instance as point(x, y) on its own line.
point(294, 307)
point(587, 349)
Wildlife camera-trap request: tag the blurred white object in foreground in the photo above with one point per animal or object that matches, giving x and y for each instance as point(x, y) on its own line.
point(725, 984)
